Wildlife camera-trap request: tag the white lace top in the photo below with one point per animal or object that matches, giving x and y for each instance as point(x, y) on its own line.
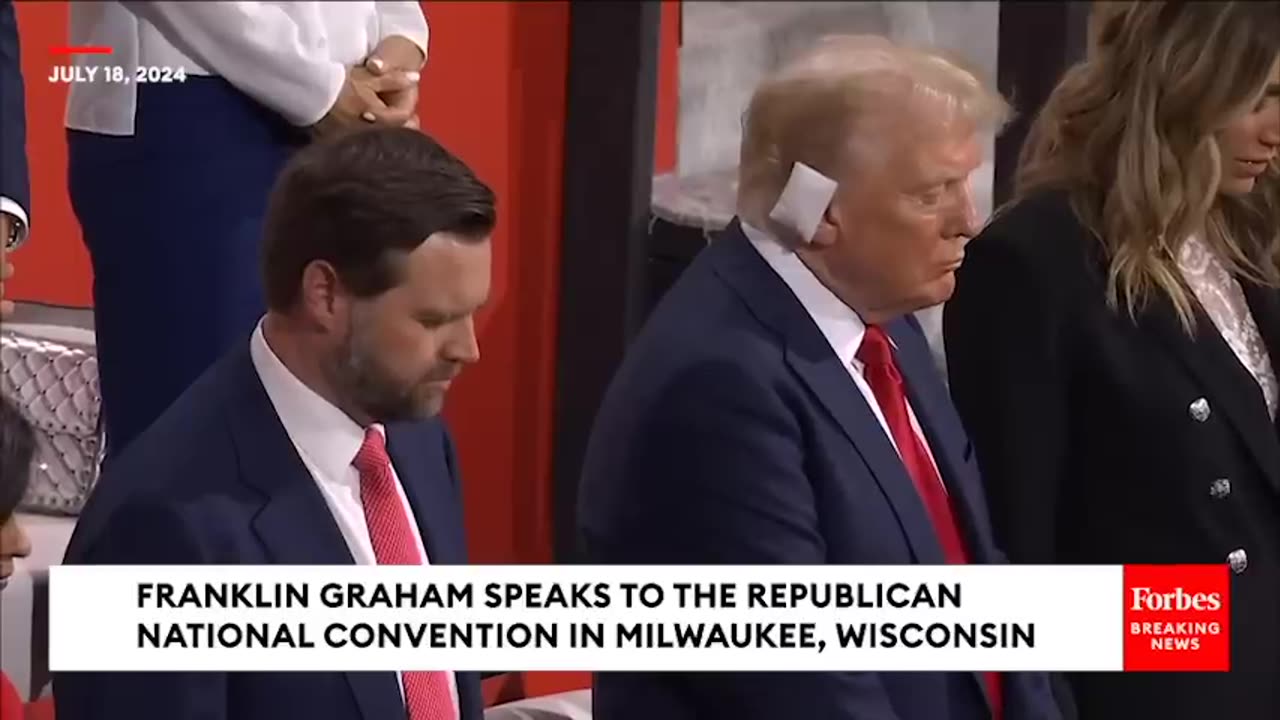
point(1225, 304)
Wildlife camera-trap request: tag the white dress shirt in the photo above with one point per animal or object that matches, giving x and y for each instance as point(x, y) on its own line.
point(327, 441)
point(839, 324)
point(290, 56)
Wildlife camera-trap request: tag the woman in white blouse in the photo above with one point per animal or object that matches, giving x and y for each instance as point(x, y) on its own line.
point(175, 137)
point(1113, 340)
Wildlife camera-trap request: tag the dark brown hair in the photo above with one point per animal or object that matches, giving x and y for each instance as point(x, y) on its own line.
point(361, 202)
point(17, 448)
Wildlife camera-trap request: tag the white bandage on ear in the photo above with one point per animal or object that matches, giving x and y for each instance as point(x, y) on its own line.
point(803, 202)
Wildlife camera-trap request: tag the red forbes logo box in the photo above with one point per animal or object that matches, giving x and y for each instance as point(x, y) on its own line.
point(1177, 618)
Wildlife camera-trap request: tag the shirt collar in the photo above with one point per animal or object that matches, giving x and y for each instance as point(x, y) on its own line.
point(326, 435)
point(838, 323)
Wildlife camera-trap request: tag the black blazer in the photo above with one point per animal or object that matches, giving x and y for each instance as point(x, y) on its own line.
point(1107, 440)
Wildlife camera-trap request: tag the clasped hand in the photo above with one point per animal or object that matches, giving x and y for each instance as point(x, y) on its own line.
point(377, 92)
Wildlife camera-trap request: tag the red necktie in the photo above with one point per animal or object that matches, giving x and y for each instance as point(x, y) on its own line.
point(881, 372)
point(426, 693)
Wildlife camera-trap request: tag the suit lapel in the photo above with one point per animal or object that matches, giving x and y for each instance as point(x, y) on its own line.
point(1264, 305)
point(811, 358)
point(928, 397)
point(830, 383)
point(295, 524)
point(430, 489)
point(1228, 386)
point(926, 394)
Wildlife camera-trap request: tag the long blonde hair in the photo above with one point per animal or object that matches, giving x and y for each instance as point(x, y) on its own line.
point(1129, 133)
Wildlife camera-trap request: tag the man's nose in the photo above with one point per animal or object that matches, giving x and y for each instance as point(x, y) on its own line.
point(462, 345)
point(967, 222)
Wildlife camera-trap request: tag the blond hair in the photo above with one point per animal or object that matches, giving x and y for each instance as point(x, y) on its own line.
point(814, 110)
point(1129, 133)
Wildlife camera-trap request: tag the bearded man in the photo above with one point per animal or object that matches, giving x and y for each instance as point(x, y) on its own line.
point(316, 440)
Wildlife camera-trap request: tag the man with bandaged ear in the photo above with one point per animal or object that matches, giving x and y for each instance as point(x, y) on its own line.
point(781, 406)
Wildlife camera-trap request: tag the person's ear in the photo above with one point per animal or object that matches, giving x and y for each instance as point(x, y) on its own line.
point(323, 298)
point(828, 228)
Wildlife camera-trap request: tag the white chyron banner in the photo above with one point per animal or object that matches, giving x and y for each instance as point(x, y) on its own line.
point(576, 617)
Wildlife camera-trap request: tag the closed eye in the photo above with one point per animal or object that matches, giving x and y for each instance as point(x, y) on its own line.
point(434, 320)
point(935, 194)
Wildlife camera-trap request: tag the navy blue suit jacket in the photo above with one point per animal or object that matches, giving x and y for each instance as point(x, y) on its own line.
point(14, 181)
point(733, 434)
point(216, 480)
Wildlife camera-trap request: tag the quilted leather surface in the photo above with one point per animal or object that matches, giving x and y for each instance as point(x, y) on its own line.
point(55, 385)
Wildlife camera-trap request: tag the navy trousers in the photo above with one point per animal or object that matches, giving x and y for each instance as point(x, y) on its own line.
point(172, 219)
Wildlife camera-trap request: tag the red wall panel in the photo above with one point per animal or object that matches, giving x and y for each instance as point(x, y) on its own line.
point(54, 266)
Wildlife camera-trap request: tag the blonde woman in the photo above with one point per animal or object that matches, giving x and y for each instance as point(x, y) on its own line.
point(1114, 339)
